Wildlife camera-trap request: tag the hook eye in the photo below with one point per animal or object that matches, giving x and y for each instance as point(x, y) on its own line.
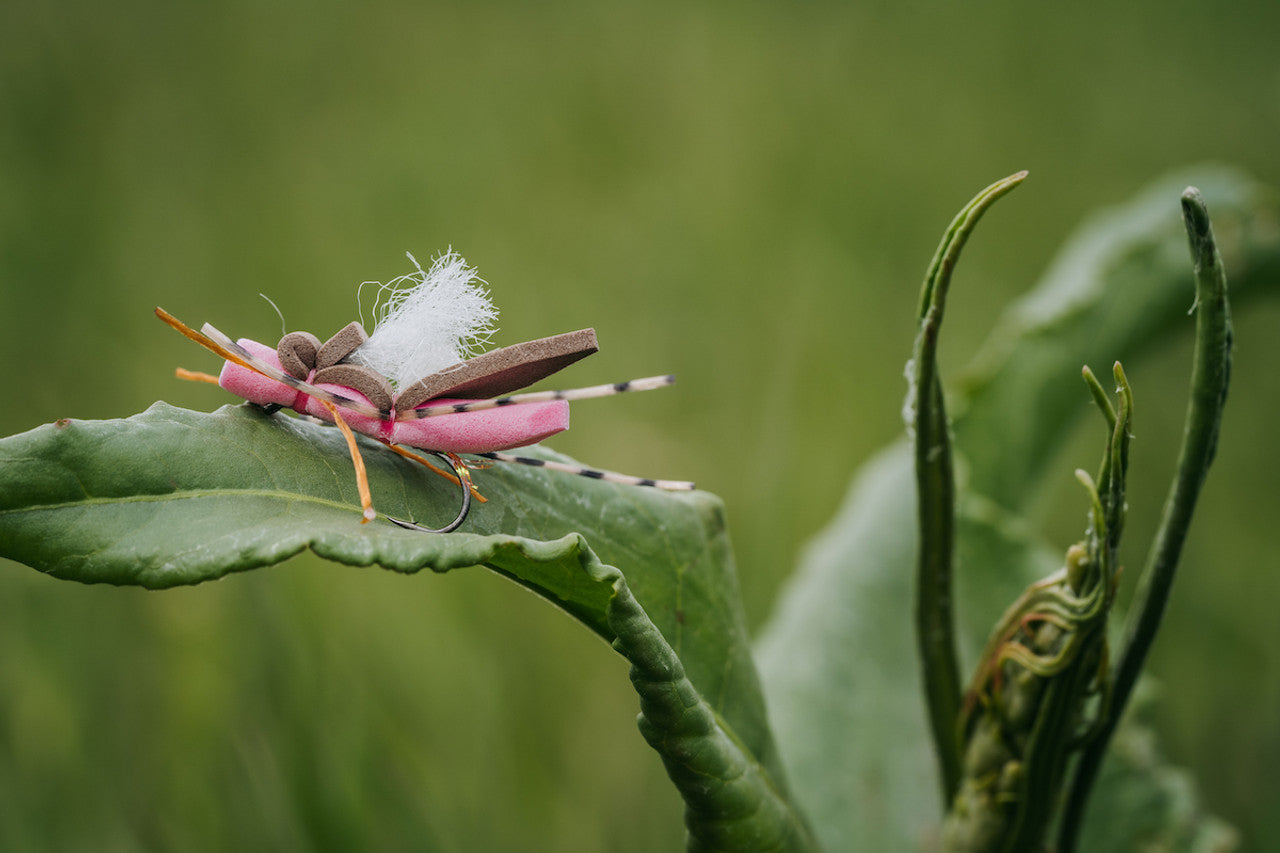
point(464, 477)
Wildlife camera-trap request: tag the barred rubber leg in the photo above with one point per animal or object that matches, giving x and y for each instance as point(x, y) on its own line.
point(649, 383)
point(608, 476)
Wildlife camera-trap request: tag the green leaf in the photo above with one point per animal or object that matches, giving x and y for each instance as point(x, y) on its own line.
point(838, 658)
point(173, 497)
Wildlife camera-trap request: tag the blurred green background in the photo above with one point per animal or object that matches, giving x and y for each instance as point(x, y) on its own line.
point(743, 194)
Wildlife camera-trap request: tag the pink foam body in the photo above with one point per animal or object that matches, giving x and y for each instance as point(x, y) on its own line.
point(464, 432)
point(490, 429)
point(253, 386)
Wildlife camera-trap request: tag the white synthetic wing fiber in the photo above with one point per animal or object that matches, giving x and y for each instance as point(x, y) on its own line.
point(427, 321)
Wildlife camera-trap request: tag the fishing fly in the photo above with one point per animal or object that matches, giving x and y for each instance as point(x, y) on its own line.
point(418, 381)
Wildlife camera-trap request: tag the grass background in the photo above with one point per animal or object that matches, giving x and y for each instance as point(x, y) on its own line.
point(743, 194)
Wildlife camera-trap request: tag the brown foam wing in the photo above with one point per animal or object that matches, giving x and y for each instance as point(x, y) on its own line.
point(501, 371)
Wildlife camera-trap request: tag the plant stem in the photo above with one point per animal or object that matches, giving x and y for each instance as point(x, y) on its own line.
point(935, 482)
point(1209, 379)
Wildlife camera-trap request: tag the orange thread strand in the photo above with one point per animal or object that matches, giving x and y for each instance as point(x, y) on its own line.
point(195, 376)
point(362, 477)
point(205, 341)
